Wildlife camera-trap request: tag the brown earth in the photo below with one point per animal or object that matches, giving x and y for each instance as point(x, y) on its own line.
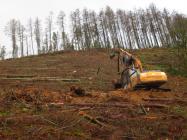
point(36, 108)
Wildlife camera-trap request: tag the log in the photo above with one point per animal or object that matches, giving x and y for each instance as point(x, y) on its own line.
point(165, 100)
point(152, 117)
point(155, 105)
point(100, 105)
point(56, 79)
point(157, 99)
point(17, 76)
point(117, 105)
point(41, 79)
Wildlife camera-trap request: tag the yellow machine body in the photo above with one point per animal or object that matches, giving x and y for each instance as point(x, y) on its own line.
point(149, 78)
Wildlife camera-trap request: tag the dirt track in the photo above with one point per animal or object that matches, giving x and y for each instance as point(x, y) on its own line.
point(35, 109)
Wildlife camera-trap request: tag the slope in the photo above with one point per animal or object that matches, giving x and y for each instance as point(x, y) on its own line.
point(37, 100)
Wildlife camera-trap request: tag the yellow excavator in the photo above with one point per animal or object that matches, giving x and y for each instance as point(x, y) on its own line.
point(147, 79)
point(139, 78)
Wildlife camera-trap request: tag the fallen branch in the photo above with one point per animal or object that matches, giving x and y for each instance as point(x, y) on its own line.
point(90, 118)
point(117, 105)
point(165, 100)
point(73, 124)
point(100, 105)
point(49, 121)
point(98, 70)
point(75, 110)
point(152, 117)
point(32, 119)
point(143, 109)
point(157, 99)
point(155, 105)
point(17, 76)
point(57, 79)
point(61, 105)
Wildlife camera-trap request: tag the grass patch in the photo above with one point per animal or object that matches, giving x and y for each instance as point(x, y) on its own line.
point(176, 72)
point(179, 110)
point(4, 113)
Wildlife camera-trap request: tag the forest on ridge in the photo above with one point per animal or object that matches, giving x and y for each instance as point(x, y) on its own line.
point(141, 28)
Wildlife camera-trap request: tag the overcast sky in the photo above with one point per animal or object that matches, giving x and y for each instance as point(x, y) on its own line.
point(24, 9)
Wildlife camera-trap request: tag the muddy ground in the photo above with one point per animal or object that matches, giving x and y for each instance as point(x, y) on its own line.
point(39, 100)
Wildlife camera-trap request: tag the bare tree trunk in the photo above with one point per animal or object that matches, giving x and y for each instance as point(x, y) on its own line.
point(27, 46)
point(31, 34)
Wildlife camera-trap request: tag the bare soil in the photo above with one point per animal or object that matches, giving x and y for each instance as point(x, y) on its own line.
point(51, 109)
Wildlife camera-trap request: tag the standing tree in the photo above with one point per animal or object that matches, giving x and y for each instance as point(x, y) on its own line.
point(30, 25)
point(77, 29)
point(49, 22)
point(104, 31)
point(37, 33)
point(133, 21)
point(179, 28)
point(60, 22)
point(11, 30)
point(27, 44)
point(2, 52)
point(55, 41)
point(152, 28)
point(21, 36)
point(46, 44)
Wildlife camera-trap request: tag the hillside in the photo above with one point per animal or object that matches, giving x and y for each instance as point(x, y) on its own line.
point(94, 69)
point(37, 101)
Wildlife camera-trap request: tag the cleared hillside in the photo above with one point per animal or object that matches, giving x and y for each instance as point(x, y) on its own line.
point(36, 100)
point(94, 68)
